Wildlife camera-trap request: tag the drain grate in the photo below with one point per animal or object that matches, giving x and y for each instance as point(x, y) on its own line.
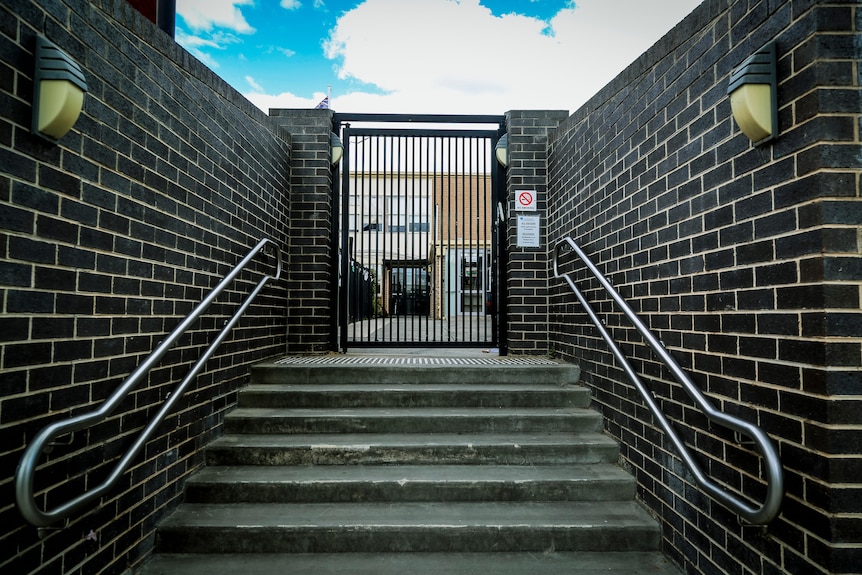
point(352, 360)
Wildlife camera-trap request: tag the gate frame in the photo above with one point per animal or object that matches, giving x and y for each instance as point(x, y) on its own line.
point(340, 263)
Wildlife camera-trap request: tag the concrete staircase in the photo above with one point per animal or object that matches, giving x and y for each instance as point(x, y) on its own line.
point(426, 465)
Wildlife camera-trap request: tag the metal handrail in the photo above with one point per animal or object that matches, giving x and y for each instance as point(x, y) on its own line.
point(27, 467)
point(771, 506)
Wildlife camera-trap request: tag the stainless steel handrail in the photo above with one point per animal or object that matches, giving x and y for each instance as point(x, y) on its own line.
point(29, 460)
point(771, 506)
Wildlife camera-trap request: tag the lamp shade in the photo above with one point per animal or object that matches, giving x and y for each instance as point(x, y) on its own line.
point(501, 150)
point(751, 105)
point(753, 96)
point(336, 148)
point(58, 91)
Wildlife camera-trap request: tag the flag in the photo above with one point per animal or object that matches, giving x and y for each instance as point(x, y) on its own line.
point(323, 105)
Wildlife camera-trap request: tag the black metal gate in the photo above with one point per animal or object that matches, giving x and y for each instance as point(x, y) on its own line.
point(419, 251)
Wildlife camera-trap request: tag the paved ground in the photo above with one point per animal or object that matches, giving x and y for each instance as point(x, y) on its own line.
point(424, 351)
point(459, 330)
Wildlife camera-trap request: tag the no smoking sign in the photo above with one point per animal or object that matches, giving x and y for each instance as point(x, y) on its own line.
point(525, 200)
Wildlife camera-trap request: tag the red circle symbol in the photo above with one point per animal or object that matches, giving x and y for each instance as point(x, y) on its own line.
point(526, 198)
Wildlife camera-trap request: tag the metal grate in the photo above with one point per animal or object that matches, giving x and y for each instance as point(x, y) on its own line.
point(376, 360)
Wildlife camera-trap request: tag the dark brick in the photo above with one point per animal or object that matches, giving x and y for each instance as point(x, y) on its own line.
point(75, 258)
point(29, 302)
point(776, 274)
point(16, 219)
point(21, 355)
point(56, 229)
point(54, 279)
point(16, 275)
point(14, 328)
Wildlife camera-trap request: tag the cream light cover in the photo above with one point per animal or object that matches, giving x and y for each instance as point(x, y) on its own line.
point(58, 91)
point(501, 150)
point(751, 105)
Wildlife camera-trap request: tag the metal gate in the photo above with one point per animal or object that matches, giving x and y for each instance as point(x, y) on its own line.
point(419, 249)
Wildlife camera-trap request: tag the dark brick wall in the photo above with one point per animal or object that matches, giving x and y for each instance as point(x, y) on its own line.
point(310, 261)
point(108, 240)
point(526, 273)
point(744, 260)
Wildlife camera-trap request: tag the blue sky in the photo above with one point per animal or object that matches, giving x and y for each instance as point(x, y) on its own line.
point(422, 56)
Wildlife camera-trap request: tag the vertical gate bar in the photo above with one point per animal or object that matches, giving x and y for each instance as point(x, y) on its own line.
point(423, 241)
point(486, 240)
point(359, 186)
point(446, 233)
point(406, 238)
point(363, 190)
point(474, 246)
point(343, 254)
point(382, 208)
point(468, 226)
point(453, 232)
point(362, 185)
point(395, 253)
point(474, 239)
point(415, 256)
point(426, 232)
point(398, 255)
point(439, 293)
point(441, 236)
point(474, 235)
point(481, 220)
point(464, 237)
point(355, 170)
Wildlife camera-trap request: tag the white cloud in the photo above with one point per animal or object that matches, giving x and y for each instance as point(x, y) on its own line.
point(189, 41)
point(287, 52)
point(208, 14)
point(254, 85)
point(290, 4)
point(448, 56)
point(194, 44)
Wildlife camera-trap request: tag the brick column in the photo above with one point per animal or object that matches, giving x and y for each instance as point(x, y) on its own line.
point(527, 269)
point(309, 259)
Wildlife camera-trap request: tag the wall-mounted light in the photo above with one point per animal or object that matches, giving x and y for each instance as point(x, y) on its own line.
point(58, 91)
point(754, 97)
point(336, 148)
point(501, 150)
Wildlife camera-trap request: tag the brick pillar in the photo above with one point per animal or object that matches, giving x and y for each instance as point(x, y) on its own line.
point(527, 269)
point(309, 259)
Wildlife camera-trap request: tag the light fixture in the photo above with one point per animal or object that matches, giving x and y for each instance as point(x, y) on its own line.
point(754, 97)
point(501, 150)
point(336, 148)
point(58, 91)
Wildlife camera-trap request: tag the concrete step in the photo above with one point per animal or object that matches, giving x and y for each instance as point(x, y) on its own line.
point(408, 527)
point(411, 420)
point(413, 395)
point(383, 465)
point(412, 448)
point(583, 563)
point(404, 483)
point(420, 370)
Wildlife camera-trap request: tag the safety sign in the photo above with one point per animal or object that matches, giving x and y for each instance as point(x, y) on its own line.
point(525, 200)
